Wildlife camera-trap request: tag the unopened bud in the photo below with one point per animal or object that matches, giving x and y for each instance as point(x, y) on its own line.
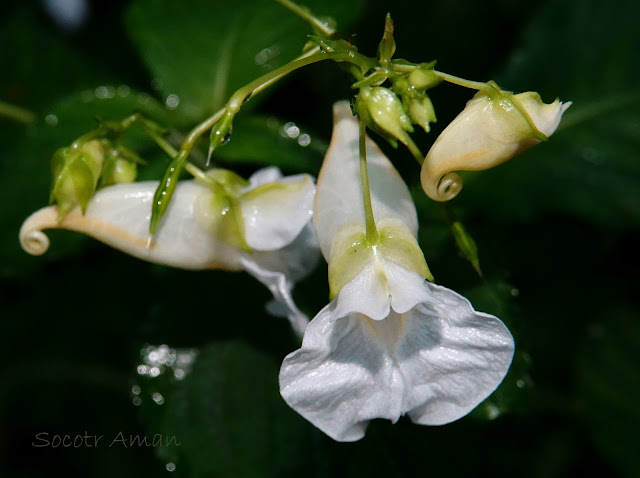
point(494, 127)
point(383, 112)
point(76, 170)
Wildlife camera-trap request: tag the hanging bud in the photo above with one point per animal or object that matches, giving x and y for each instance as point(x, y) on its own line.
point(383, 112)
point(76, 170)
point(220, 133)
point(120, 165)
point(494, 127)
point(412, 89)
point(118, 171)
point(422, 113)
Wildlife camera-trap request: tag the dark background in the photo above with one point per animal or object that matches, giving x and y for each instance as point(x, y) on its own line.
point(557, 231)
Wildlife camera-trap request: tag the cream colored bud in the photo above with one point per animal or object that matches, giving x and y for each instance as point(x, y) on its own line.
point(492, 129)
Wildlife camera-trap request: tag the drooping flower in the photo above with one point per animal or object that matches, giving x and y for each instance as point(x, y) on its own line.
point(261, 226)
point(389, 343)
point(494, 127)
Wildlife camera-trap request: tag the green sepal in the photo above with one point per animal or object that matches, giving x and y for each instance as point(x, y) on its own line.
point(351, 251)
point(387, 46)
point(220, 213)
point(466, 245)
point(75, 171)
point(231, 182)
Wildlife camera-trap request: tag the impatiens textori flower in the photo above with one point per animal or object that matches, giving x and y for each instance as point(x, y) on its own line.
point(262, 226)
point(389, 343)
point(494, 127)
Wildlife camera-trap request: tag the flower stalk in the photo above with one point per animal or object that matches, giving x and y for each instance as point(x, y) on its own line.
point(371, 233)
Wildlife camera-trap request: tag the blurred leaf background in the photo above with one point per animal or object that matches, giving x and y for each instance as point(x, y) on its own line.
point(557, 231)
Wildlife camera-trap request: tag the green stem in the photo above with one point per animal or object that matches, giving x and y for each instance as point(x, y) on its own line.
point(415, 151)
point(306, 15)
point(173, 153)
point(16, 113)
point(371, 233)
point(164, 192)
point(474, 85)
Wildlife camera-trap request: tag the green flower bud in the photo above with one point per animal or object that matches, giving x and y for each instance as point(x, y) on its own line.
point(76, 170)
point(118, 171)
point(423, 77)
point(421, 112)
point(383, 112)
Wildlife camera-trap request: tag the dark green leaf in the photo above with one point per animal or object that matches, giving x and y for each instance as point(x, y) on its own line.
point(202, 51)
point(609, 387)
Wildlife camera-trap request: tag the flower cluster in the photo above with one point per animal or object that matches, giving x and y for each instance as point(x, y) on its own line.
point(390, 342)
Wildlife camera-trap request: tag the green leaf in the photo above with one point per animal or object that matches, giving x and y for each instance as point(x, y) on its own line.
point(466, 245)
point(608, 386)
point(202, 52)
point(229, 417)
point(589, 167)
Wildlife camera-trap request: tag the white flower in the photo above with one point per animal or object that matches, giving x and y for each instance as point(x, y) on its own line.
point(272, 238)
point(389, 343)
point(491, 129)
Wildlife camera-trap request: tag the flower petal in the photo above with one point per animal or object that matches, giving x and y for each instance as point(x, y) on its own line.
point(274, 213)
point(340, 378)
point(451, 356)
point(119, 216)
point(406, 288)
point(338, 193)
point(436, 362)
point(278, 270)
point(367, 293)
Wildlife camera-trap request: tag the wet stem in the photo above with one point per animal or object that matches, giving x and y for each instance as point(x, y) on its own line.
point(164, 192)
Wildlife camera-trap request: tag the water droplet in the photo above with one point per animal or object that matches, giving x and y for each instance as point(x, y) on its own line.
point(493, 412)
point(304, 140)
point(105, 92)
point(291, 130)
point(123, 91)
point(226, 139)
point(137, 401)
point(178, 374)
point(515, 292)
point(143, 369)
point(171, 466)
point(136, 390)
point(172, 101)
point(158, 398)
point(154, 372)
point(520, 383)
point(269, 53)
point(51, 120)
